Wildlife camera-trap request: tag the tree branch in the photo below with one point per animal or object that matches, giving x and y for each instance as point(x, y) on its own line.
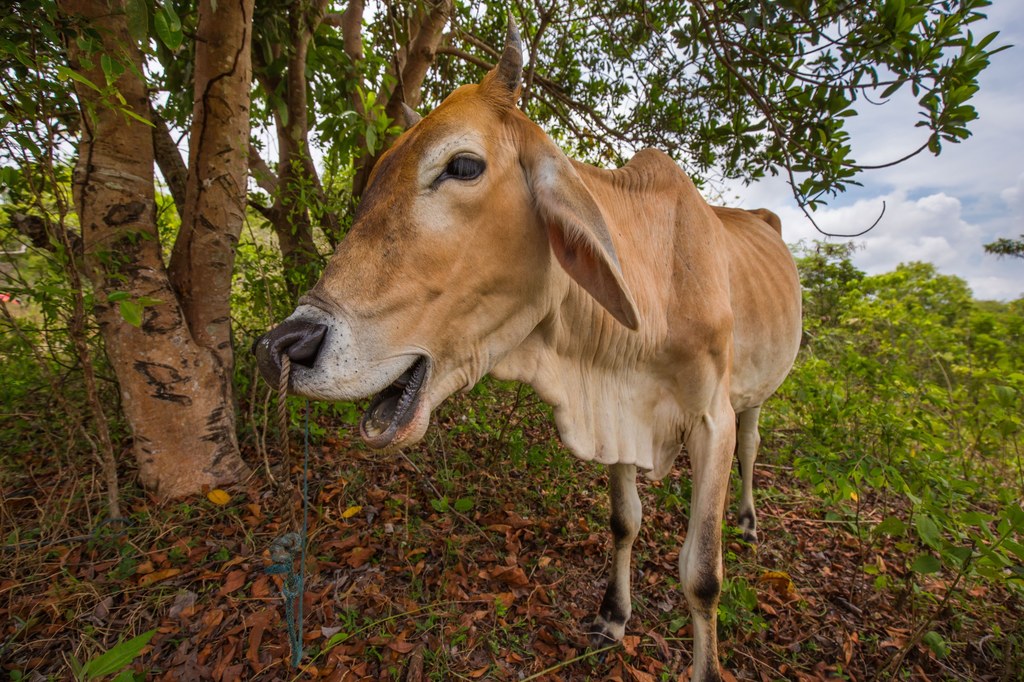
point(265, 178)
point(169, 161)
point(351, 25)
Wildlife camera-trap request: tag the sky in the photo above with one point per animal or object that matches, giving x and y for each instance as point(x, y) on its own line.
point(937, 209)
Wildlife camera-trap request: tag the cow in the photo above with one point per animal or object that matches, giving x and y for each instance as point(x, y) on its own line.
point(648, 319)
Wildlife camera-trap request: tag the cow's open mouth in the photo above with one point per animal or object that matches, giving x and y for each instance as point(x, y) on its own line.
point(393, 408)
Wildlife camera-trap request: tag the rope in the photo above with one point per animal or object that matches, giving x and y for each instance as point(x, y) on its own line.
point(285, 550)
point(282, 405)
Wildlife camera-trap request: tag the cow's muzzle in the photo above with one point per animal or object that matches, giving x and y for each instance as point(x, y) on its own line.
point(299, 339)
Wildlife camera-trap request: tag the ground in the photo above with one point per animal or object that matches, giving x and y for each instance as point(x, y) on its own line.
point(475, 556)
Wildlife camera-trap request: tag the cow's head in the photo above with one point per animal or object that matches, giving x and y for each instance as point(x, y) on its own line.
point(450, 262)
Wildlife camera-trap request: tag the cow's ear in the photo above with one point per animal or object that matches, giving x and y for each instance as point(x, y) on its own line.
point(579, 236)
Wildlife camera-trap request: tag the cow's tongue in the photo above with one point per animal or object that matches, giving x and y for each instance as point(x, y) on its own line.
point(393, 406)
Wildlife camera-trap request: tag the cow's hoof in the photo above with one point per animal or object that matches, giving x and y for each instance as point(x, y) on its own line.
point(600, 633)
point(750, 535)
point(748, 525)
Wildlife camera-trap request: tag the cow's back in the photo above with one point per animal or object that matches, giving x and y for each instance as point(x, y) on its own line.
point(765, 295)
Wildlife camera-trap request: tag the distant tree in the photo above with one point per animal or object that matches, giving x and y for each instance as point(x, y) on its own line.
point(1007, 247)
point(827, 273)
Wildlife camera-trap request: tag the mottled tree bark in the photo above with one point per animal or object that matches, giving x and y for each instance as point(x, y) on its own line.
point(173, 369)
point(215, 190)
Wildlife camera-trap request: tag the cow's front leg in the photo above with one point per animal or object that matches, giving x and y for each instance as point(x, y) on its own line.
point(710, 443)
point(609, 625)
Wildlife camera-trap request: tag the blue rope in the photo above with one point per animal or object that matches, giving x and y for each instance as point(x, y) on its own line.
point(283, 553)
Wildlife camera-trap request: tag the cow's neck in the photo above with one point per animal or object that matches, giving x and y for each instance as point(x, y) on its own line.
point(576, 360)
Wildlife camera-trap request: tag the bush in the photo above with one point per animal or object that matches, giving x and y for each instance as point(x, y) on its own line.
point(909, 390)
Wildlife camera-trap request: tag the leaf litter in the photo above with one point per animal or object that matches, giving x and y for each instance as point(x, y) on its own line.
point(404, 584)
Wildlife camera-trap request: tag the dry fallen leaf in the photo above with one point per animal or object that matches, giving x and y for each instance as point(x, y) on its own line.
point(157, 576)
point(779, 582)
point(359, 556)
point(630, 644)
point(232, 582)
point(637, 675)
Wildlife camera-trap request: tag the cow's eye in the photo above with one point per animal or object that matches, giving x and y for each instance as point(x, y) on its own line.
point(463, 168)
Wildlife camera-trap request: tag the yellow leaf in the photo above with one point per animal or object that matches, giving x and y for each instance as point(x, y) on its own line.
point(218, 497)
point(853, 496)
point(778, 581)
point(350, 512)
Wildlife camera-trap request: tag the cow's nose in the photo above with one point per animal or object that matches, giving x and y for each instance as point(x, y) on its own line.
point(299, 339)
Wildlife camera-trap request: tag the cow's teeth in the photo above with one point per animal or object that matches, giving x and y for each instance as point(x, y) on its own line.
point(392, 405)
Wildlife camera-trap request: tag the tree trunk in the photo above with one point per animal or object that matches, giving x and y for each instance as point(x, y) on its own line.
point(298, 182)
point(215, 190)
point(413, 61)
point(175, 391)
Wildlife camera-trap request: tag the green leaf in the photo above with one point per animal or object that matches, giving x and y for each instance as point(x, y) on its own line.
point(64, 73)
point(76, 668)
point(1006, 395)
point(118, 657)
point(928, 530)
point(926, 563)
point(936, 643)
point(440, 505)
point(1015, 548)
point(891, 526)
point(168, 27)
point(1015, 515)
point(371, 137)
point(138, 19)
point(463, 504)
point(131, 311)
point(131, 114)
point(112, 69)
point(891, 89)
point(335, 639)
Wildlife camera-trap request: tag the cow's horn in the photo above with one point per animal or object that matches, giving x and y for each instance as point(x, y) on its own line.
point(510, 68)
point(410, 115)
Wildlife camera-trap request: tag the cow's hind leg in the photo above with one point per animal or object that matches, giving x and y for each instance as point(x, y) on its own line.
point(710, 443)
point(748, 439)
point(609, 625)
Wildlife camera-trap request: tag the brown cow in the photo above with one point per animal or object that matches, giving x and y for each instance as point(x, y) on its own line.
point(647, 318)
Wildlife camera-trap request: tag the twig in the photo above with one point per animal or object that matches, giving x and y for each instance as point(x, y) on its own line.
point(896, 662)
point(558, 666)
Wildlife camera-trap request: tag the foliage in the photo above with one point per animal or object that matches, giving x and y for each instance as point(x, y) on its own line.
point(913, 394)
point(1007, 247)
point(740, 88)
point(113, 661)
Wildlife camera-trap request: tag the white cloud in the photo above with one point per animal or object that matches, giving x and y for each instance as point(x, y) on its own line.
point(932, 228)
point(1014, 197)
